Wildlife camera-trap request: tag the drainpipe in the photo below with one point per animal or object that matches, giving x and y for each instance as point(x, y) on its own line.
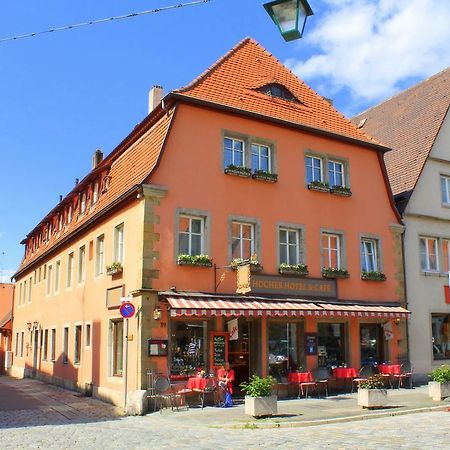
point(406, 293)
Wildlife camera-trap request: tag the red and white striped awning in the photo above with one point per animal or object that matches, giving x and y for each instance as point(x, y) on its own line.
point(203, 305)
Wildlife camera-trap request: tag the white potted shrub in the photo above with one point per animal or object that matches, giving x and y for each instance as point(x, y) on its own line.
point(259, 401)
point(439, 386)
point(371, 392)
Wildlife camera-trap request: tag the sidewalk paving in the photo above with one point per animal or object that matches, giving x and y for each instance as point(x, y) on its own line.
point(304, 412)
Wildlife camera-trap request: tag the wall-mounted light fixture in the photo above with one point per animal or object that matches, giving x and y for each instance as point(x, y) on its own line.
point(397, 320)
point(29, 325)
point(157, 313)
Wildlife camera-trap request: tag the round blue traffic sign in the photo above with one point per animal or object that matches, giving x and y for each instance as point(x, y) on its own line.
point(127, 310)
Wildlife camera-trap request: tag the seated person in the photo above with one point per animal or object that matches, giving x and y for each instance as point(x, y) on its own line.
point(225, 376)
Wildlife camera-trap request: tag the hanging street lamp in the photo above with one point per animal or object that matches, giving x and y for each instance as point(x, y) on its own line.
point(289, 16)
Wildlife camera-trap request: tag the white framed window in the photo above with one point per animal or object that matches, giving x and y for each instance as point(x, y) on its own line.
point(77, 347)
point(261, 158)
point(81, 264)
point(445, 189)
point(57, 275)
point(53, 344)
point(336, 173)
point(70, 266)
point(87, 334)
point(331, 250)
point(16, 352)
point(49, 279)
point(234, 152)
point(95, 193)
point(65, 346)
point(83, 203)
point(369, 255)
point(191, 235)
point(100, 255)
point(119, 243)
point(289, 241)
point(242, 240)
point(314, 170)
point(429, 259)
point(45, 346)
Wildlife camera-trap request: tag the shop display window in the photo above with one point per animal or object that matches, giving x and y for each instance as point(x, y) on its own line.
point(188, 346)
point(331, 348)
point(286, 349)
point(440, 324)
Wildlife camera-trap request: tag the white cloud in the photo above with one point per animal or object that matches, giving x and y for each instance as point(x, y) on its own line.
point(371, 46)
point(5, 275)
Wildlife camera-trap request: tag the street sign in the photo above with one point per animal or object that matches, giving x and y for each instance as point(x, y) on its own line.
point(127, 310)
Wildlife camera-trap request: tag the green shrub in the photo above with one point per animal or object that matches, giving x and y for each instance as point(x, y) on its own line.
point(441, 374)
point(373, 382)
point(258, 386)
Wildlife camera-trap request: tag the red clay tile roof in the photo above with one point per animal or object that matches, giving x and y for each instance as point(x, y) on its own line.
point(234, 79)
point(409, 123)
point(126, 168)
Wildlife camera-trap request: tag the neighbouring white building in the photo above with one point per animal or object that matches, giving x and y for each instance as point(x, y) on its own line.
point(416, 125)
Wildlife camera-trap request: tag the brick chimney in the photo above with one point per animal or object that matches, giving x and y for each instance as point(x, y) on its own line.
point(155, 96)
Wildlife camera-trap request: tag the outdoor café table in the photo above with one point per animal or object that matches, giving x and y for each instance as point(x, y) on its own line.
point(196, 383)
point(345, 373)
point(388, 370)
point(203, 386)
point(303, 379)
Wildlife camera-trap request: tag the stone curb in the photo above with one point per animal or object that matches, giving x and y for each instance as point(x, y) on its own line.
point(311, 423)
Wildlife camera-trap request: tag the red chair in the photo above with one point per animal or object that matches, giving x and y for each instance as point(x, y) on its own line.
point(406, 372)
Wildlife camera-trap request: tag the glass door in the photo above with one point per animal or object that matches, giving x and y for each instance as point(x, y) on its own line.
point(371, 344)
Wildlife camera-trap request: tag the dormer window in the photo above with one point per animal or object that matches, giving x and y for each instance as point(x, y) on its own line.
point(277, 90)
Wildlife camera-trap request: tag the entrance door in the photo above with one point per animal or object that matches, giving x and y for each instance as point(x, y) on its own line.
point(242, 352)
point(371, 344)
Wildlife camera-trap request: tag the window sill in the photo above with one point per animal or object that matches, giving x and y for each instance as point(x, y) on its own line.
point(240, 172)
point(381, 277)
point(269, 177)
point(195, 264)
point(341, 192)
point(317, 188)
point(293, 272)
point(342, 275)
point(430, 274)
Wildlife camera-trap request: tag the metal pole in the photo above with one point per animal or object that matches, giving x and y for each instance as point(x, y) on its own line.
point(125, 371)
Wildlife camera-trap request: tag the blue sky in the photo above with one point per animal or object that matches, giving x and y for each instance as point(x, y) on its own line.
point(65, 94)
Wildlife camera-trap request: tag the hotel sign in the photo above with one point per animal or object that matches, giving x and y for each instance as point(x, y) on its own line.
point(293, 286)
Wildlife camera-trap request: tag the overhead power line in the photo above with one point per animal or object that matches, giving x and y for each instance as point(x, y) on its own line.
point(99, 21)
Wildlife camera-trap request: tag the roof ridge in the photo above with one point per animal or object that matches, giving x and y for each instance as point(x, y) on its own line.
point(215, 65)
point(398, 94)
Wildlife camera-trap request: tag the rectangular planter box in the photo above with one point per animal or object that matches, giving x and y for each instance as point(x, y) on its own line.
point(438, 391)
point(372, 398)
point(261, 406)
point(294, 273)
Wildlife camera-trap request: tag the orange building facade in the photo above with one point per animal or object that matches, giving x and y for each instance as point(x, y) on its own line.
point(245, 163)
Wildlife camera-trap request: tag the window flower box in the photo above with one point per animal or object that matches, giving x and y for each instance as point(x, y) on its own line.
point(299, 270)
point(265, 176)
point(319, 186)
point(341, 190)
point(238, 170)
point(333, 272)
point(373, 276)
point(194, 260)
point(114, 268)
point(255, 266)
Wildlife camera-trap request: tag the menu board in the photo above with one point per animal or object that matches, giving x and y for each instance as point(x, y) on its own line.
point(219, 349)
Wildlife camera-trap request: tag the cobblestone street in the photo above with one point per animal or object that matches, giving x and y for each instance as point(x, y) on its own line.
point(58, 419)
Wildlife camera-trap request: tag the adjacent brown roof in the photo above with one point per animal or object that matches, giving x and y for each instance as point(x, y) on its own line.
point(409, 123)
